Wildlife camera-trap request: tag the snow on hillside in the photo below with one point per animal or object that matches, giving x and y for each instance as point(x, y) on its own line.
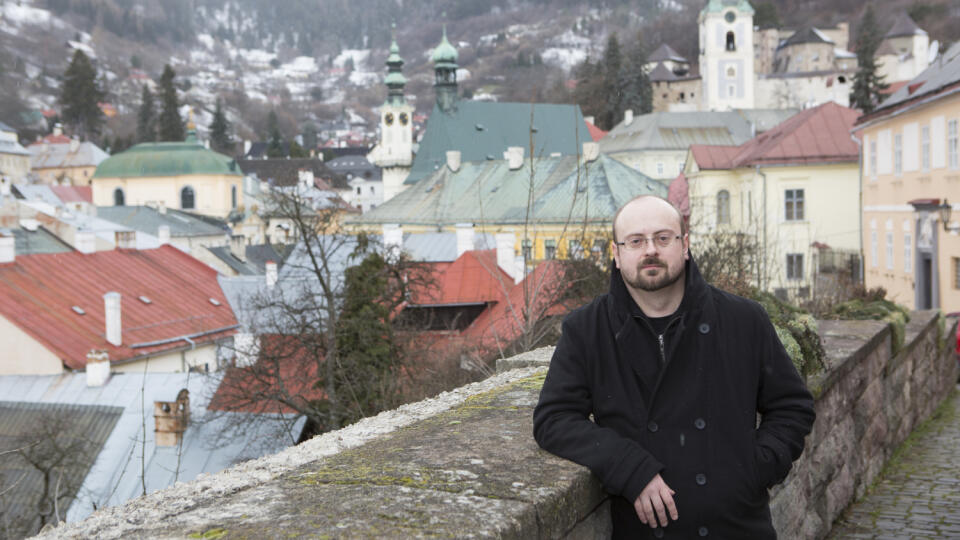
point(359, 57)
point(22, 13)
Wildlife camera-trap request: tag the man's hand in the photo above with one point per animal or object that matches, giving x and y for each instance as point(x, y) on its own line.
point(655, 501)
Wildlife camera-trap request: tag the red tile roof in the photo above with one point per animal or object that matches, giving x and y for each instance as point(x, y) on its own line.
point(596, 133)
point(38, 292)
point(52, 139)
point(813, 136)
point(69, 194)
point(679, 194)
point(473, 278)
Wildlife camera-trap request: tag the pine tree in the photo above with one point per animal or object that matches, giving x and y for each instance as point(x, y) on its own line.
point(80, 97)
point(867, 84)
point(275, 146)
point(612, 60)
point(637, 93)
point(220, 138)
point(170, 126)
point(146, 117)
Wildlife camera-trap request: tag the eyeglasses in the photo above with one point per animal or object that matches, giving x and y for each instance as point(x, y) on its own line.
point(661, 240)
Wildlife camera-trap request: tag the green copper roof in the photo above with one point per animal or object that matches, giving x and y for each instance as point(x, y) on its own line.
point(714, 6)
point(167, 159)
point(489, 192)
point(395, 78)
point(483, 130)
point(445, 53)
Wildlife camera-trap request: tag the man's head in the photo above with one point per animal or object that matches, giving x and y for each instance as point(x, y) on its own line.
point(644, 262)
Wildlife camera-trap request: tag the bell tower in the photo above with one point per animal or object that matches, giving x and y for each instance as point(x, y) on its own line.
point(394, 152)
point(445, 73)
point(726, 55)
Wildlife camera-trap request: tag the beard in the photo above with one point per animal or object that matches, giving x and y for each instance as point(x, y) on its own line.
point(653, 283)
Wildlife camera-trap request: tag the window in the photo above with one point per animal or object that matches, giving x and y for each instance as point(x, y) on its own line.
point(574, 249)
point(731, 72)
point(952, 157)
point(907, 253)
point(731, 42)
point(358, 190)
point(731, 90)
point(118, 198)
point(723, 207)
point(889, 250)
point(793, 205)
point(956, 273)
point(527, 250)
point(873, 159)
point(233, 197)
point(550, 248)
point(925, 148)
point(599, 248)
point(874, 256)
point(795, 266)
point(898, 154)
point(659, 168)
point(187, 199)
point(371, 190)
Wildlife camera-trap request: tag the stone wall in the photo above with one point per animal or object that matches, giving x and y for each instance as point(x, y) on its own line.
point(464, 464)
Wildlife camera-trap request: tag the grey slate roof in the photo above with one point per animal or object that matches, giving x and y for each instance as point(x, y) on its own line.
point(12, 147)
point(483, 130)
point(904, 26)
point(662, 73)
point(148, 220)
point(256, 257)
point(28, 241)
point(441, 246)
point(489, 192)
point(82, 431)
point(284, 172)
point(358, 166)
point(807, 34)
point(665, 53)
point(48, 155)
point(115, 475)
point(942, 72)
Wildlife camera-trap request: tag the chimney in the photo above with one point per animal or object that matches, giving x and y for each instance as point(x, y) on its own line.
point(589, 119)
point(506, 255)
point(85, 241)
point(171, 419)
point(74, 145)
point(392, 237)
point(453, 160)
point(163, 234)
point(8, 251)
point(111, 305)
point(162, 208)
point(515, 157)
point(246, 147)
point(591, 151)
point(464, 238)
point(125, 239)
point(98, 367)
point(4, 186)
point(238, 247)
point(246, 349)
point(270, 271)
point(58, 129)
point(628, 117)
point(305, 178)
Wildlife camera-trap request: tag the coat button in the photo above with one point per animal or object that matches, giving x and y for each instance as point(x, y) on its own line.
point(703, 531)
point(701, 479)
point(652, 426)
point(658, 533)
point(699, 423)
point(704, 328)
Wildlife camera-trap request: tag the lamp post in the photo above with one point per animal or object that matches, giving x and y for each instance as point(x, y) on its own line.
point(945, 211)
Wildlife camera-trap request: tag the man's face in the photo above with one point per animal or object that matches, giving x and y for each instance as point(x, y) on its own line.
point(651, 267)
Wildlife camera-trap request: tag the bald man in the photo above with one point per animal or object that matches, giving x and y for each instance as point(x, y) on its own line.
point(674, 372)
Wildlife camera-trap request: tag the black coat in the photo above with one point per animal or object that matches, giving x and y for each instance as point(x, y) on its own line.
point(694, 421)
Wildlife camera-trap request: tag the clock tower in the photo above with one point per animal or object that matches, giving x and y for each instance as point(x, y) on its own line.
point(394, 153)
point(726, 55)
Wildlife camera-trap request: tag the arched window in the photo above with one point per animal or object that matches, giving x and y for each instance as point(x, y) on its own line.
point(187, 198)
point(731, 42)
point(723, 207)
point(233, 196)
point(118, 198)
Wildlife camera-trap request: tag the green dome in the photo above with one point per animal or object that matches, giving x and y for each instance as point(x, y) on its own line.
point(445, 53)
point(166, 159)
point(395, 78)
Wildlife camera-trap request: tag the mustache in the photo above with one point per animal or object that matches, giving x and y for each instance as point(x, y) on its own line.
point(652, 261)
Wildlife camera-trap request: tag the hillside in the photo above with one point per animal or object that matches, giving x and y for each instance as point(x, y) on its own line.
point(311, 60)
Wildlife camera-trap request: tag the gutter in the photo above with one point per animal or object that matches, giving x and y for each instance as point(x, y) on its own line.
point(187, 337)
point(763, 261)
point(854, 138)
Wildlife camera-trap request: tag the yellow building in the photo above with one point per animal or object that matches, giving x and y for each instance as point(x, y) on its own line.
point(794, 189)
point(59, 160)
point(183, 175)
point(911, 167)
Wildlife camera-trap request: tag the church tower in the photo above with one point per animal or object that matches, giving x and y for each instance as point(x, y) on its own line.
point(394, 153)
point(726, 55)
point(445, 73)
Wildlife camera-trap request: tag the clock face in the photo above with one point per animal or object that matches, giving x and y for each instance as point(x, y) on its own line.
point(388, 119)
point(404, 119)
point(730, 17)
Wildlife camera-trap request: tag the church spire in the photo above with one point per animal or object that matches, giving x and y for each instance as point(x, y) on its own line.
point(395, 80)
point(445, 71)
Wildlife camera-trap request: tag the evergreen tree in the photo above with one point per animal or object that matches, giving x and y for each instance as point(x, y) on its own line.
point(146, 117)
point(170, 126)
point(867, 84)
point(612, 95)
point(310, 137)
point(637, 93)
point(80, 97)
point(220, 138)
point(275, 146)
point(588, 92)
point(766, 16)
point(297, 151)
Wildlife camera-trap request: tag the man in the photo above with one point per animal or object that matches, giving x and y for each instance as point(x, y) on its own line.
point(674, 372)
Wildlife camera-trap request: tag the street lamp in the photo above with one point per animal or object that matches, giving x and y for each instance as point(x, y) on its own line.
point(945, 210)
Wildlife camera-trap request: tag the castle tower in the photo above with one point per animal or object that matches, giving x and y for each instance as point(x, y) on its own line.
point(445, 71)
point(726, 55)
point(394, 152)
